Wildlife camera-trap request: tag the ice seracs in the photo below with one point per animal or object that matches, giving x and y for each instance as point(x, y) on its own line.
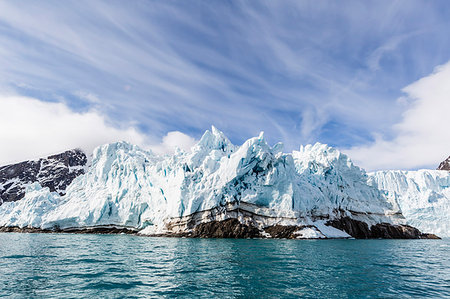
point(342, 184)
point(37, 203)
point(423, 196)
point(241, 191)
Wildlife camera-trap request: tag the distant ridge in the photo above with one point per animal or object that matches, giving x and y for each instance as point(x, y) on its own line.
point(445, 165)
point(55, 172)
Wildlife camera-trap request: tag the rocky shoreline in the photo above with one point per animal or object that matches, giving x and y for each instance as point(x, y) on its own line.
point(360, 230)
point(234, 229)
point(109, 230)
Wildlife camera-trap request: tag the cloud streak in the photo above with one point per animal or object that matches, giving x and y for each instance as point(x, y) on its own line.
point(300, 71)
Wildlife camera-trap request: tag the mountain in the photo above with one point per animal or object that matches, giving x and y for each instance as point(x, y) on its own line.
point(423, 196)
point(216, 190)
point(55, 172)
point(445, 165)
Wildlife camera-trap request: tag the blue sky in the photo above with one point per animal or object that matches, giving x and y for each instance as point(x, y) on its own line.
point(302, 71)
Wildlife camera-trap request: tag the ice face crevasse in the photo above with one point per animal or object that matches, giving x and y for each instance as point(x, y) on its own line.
point(128, 186)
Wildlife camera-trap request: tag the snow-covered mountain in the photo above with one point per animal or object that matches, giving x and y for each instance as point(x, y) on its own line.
point(55, 172)
point(217, 189)
point(423, 196)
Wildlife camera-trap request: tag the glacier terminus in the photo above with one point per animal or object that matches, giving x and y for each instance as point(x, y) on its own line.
point(219, 189)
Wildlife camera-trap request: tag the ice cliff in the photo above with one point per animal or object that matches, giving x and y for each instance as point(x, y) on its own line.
point(423, 196)
point(254, 184)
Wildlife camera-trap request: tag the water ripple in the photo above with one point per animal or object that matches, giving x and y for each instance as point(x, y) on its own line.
point(100, 266)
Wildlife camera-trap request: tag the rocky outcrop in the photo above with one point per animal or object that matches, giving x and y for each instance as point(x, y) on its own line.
point(233, 228)
point(356, 229)
point(229, 228)
point(360, 230)
point(445, 165)
point(55, 172)
point(244, 220)
point(283, 231)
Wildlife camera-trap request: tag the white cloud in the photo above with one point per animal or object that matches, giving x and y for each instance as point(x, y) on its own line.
point(422, 136)
point(30, 128)
point(173, 140)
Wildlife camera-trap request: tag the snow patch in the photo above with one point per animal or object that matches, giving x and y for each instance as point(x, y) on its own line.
point(309, 233)
point(329, 231)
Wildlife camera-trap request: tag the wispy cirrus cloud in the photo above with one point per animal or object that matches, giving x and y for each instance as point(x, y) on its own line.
point(300, 71)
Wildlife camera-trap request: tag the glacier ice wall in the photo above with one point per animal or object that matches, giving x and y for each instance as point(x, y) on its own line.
point(128, 186)
point(423, 196)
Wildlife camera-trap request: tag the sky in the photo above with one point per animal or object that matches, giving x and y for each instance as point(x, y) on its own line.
point(371, 78)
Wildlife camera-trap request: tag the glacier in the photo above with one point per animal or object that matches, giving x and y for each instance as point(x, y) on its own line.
point(423, 197)
point(127, 186)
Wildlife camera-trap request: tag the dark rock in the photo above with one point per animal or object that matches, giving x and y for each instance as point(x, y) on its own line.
point(430, 236)
point(445, 165)
point(229, 228)
point(389, 231)
point(283, 231)
point(100, 230)
point(15, 229)
point(55, 172)
point(360, 230)
point(356, 229)
point(84, 230)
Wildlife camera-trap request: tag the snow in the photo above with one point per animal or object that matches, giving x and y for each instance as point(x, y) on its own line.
point(308, 233)
point(329, 231)
point(423, 196)
point(128, 186)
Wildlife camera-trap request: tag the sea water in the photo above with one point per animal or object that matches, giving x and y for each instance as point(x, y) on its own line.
point(117, 266)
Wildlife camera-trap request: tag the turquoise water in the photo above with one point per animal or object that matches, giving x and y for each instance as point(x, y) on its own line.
point(117, 266)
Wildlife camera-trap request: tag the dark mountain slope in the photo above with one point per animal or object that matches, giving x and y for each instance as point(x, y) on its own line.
point(55, 172)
